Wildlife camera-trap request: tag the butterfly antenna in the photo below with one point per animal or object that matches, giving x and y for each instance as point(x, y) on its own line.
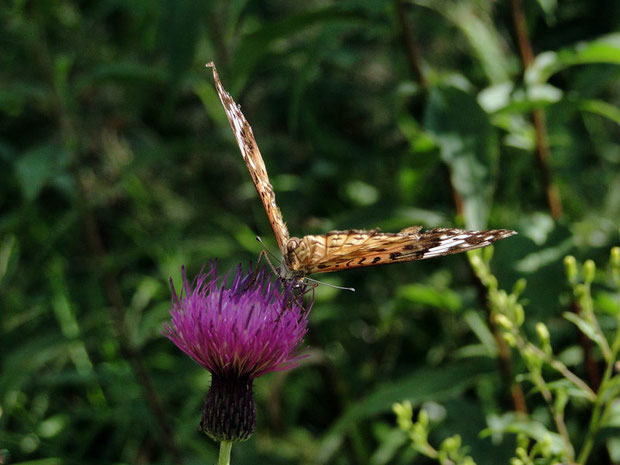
point(274, 256)
point(342, 288)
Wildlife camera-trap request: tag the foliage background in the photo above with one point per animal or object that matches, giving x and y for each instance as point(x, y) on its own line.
point(118, 166)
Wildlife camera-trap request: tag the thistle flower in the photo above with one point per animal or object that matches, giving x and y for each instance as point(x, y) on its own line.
point(238, 333)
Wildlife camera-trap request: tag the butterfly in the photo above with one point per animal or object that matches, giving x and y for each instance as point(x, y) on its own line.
point(341, 250)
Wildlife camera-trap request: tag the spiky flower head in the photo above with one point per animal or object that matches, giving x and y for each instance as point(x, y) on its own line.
point(238, 332)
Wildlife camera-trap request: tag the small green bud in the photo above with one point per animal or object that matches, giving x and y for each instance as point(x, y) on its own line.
point(403, 409)
point(570, 265)
point(475, 261)
point(423, 418)
point(521, 453)
point(519, 286)
point(501, 300)
point(510, 339)
point(449, 444)
point(418, 434)
point(519, 314)
point(545, 445)
point(503, 321)
point(532, 359)
point(543, 333)
point(404, 414)
point(516, 461)
point(589, 268)
point(488, 254)
point(523, 441)
point(580, 291)
point(456, 442)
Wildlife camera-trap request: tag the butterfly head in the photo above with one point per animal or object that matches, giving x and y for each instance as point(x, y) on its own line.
point(291, 260)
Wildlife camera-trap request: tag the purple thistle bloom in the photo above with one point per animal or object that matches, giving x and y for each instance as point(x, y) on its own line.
point(238, 333)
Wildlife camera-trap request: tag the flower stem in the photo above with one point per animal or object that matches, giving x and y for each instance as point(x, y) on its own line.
point(224, 458)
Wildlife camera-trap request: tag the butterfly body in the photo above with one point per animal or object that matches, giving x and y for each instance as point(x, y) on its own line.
point(342, 250)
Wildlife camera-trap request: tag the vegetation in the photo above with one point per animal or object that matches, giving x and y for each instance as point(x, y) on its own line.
point(117, 167)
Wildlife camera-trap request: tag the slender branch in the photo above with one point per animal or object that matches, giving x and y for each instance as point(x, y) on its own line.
point(504, 358)
point(558, 416)
point(587, 308)
point(410, 43)
point(563, 370)
point(543, 155)
point(591, 367)
point(506, 368)
point(543, 152)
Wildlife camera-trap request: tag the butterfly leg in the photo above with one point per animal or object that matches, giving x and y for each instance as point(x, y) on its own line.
point(263, 254)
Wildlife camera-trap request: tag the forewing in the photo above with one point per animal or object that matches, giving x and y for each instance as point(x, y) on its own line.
point(253, 160)
point(357, 248)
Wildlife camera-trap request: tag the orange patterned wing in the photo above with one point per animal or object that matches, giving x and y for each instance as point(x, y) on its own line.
point(343, 250)
point(253, 160)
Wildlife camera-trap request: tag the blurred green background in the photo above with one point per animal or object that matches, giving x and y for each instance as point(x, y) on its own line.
point(117, 167)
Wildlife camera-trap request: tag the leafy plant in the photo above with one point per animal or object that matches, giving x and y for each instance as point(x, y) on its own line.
point(551, 379)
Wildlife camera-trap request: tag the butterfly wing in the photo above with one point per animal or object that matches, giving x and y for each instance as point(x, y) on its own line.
point(253, 160)
point(342, 250)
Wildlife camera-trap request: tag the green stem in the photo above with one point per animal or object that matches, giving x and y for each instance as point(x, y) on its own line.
point(562, 369)
point(538, 380)
point(588, 306)
point(225, 447)
point(598, 404)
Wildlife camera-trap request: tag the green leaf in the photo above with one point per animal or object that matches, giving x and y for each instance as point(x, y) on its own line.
point(468, 145)
point(605, 49)
point(39, 166)
point(540, 258)
point(585, 327)
point(612, 419)
point(181, 22)
point(601, 108)
point(9, 249)
point(361, 194)
point(482, 331)
point(613, 446)
point(121, 72)
point(253, 47)
point(549, 7)
point(437, 384)
point(510, 423)
point(211, 102)
point(479, 30)
point(430, 296)
point(606, 302)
